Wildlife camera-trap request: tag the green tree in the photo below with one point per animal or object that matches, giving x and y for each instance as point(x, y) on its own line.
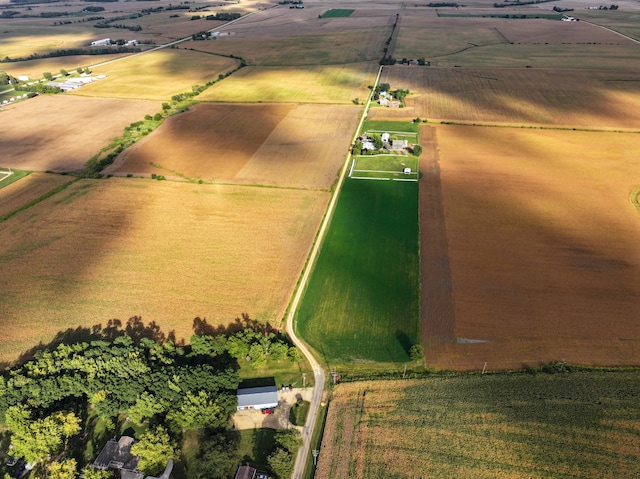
point(294, 354)
point(377, 141)
point(47, 76)
point(257, 355)
point(91, 473)
point(79, 70)
point(217, 458)
point(417, 150)
point(278, 351)
point(145, 407)
point(64, 72)
point(154, 450)
point(87, 71)
point(416, 352)
point(289, 439)
point(63, 470)
point(198, 411)
point(281, 463)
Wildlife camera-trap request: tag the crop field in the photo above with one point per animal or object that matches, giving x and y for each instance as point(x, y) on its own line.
point(516, 426)
point(27, 189)
point(34, 69)
point(576, 98)
point(156, 75)
point(353, 45)
point(362, 301)
point(61, 132)
point(337, 13)
point(625, 21)
point(166, 251)
point(314, 84)
point(288, 145)
point(541, 239)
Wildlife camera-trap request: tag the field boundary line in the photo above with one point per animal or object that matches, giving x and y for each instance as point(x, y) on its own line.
point(353, 164)
point(369, 178)
point(414, 180)
point(635, 198)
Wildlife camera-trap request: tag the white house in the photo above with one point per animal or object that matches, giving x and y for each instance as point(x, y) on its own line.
point(23, 78)
point(385, 137)
point(257, 398)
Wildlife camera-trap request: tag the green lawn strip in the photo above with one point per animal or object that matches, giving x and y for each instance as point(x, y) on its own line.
point(394, 163)
point(390, 126)
point(34, 202)
point(17, 175)
point(337, 13)
point(362, 300)
point(316, 441)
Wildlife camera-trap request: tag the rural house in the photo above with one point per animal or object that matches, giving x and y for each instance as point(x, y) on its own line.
point(248, 472)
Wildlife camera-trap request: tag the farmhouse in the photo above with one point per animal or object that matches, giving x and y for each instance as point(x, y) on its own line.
point(117, 455)
point(257, 398)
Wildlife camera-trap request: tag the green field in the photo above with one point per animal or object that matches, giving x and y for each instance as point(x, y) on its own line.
point(565, 425)
point(11, 176)
point(362, 301)
point(337, 13)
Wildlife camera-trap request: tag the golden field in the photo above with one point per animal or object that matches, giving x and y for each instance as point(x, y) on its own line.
point(518, 96)
point(166, 251)
point(541, 244)
point(30, 188)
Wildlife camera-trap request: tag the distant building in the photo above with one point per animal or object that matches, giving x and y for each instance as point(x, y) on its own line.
point(23, 78)
point(101, 43)
point(257, 398)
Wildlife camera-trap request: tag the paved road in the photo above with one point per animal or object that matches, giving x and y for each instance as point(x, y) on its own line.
point(318, 372)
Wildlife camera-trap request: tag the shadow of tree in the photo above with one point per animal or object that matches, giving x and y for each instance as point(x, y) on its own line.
point(202, 327)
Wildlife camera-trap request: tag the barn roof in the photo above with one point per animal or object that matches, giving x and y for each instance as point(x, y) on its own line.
point(252, 397)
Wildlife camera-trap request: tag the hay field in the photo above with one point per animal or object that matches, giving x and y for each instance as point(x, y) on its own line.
point(156, 75)
point(166, 251)
point(518, 426)
point(61, 132)
point(21, 37)
point(29, 188)
point(269, 144)
point(575, 98)
point(314, 84)
point(35, 68)
point(542, 245)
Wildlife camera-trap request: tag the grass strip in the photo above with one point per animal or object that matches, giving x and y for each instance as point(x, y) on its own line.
point(34, 202)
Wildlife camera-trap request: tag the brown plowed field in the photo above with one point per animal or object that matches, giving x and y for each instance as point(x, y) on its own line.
point(29, 188)
point(576, 98)
point(542, 245)
point(60, 132)
point(277, 144)
point(166, 251)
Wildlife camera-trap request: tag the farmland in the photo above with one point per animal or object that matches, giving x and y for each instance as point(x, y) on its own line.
point(82, 127)
point(361, 303)
point(300, 146)
point(315, 84)
point(577, 424)
point(15, 195)
point(561, 214)
point(166, 251)
point(145, 77)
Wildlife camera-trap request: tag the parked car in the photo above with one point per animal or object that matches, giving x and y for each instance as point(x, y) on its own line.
point(267, 410)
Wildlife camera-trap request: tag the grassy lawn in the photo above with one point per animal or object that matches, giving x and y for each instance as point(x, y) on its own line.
point(285, 372)
point(391, 126)
point(298, 413)
point(7, 180)
point(337, 13)
point(361, 302)
point(255, 445)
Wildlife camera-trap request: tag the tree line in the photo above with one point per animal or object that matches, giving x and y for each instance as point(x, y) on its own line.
point(47, 401)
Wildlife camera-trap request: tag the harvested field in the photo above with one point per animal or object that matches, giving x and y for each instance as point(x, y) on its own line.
point(422, 35)
point(61, 132)
point(315, 84)
point(278, 144)
point(34, 69)
point(166, 251)
point(574, 98)
point(516, 426)
point(352, 45)
point(156, 75)
point(542, 244)
point(29, 188)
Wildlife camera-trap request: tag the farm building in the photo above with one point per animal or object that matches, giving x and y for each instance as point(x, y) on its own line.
point(399, 144)
point(385, 137)
point(101, 43)
point(257, 398)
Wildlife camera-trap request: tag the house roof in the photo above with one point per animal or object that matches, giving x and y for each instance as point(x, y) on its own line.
point(252, 397)
point(117, 455)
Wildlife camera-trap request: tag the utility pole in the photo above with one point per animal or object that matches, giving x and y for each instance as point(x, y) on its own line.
point(334, 376)
point(304, 380)
point(315, 453)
